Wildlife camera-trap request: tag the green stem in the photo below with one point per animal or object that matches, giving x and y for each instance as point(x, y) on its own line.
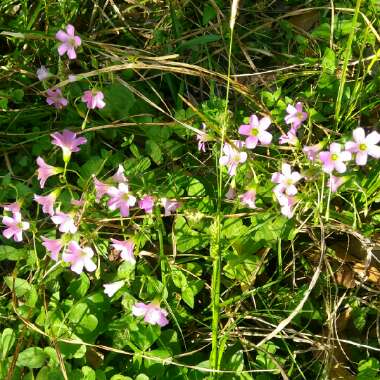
point(345, 63)
point(215, 246)
point(163, 259)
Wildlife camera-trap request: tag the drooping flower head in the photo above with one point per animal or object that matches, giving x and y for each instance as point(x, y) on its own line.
point(364, 146)
point(45, 171)
point(68, 142)
point(13, 207)
point(256, 131)
point(335, 182)
point(231, 193)
point(121, 199)
point(334, 159)
point(53, 246)
point(233, 156)
point(151, 312)
point(286, 180)
point(111, 289)
point(125, 248)
point(65, 222)
point(119, 176)
point(296, 116)
point(202, 138)
point(43, 73)
point(47, 202)
point(101, 189)
point(290, 138)
point(169, 206)
point(147, 203)
point(312, 151)
point(286, 202)
point(249, 198)
point(79, 258)
point(15, 226)
point(69, 42)
point(55, 97)
point(93, 99)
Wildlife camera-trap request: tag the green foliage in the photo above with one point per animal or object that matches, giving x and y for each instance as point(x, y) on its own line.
point(225, 273)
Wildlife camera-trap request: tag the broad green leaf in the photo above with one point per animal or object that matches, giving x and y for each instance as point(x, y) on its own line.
point(8, 338)
point(79, 286)
point(20, 285)
point(33, 357)
point(11, 253)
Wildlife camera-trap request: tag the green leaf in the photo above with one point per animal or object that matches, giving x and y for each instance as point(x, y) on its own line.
point(10, 253)
point(20, 285)
point(154, 151)
point(368, 369)
point(188, 296)
point(119, 100)
point(79, 287)
point(33, 357)
point(179, 279)
point(8, 339)
point(195, 188)
point(209, 14)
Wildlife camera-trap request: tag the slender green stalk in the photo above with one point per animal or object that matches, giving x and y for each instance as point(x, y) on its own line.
point(215, 246)
point(345, 63)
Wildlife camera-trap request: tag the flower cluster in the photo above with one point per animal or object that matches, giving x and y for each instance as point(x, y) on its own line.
point(335, 159)
point(69, 43)
point(71, 247)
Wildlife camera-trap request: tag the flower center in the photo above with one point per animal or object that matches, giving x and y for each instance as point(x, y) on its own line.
point(254, 132)
point(125, 197)
point(289, 181)
point(299, 115)
point(363, 147)
point(71, 41)
point(236, 157)
point(334, 156)
point(19, 225)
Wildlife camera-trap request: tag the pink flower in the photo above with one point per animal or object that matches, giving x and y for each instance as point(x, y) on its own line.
point(47, 202)
point(286, 180)
point(312, 151)
point(77, 202)
point(111, 289)
point(290, 138)
point(295, 115)
point(121, 199)
point(68, 142)
point(15, 227)
point(286, 203)
point(364, 146)
point(101, 189)
point(334, 159)
point(119, 176)
point(231, 193)
point(151, 312)
point(335, 182)
point(45, 171)
point(147, 203)
point(233, 157)
point(249, 198)
point(69, 42)
point(54, 97)
point(202, 138)
point(94, 99)
point(79, 258)
point(125, 248)
point(256, 131)
point(54, 246)
point(65, 222)
point(169, 206)
point(43, 73)
point(12, 207)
